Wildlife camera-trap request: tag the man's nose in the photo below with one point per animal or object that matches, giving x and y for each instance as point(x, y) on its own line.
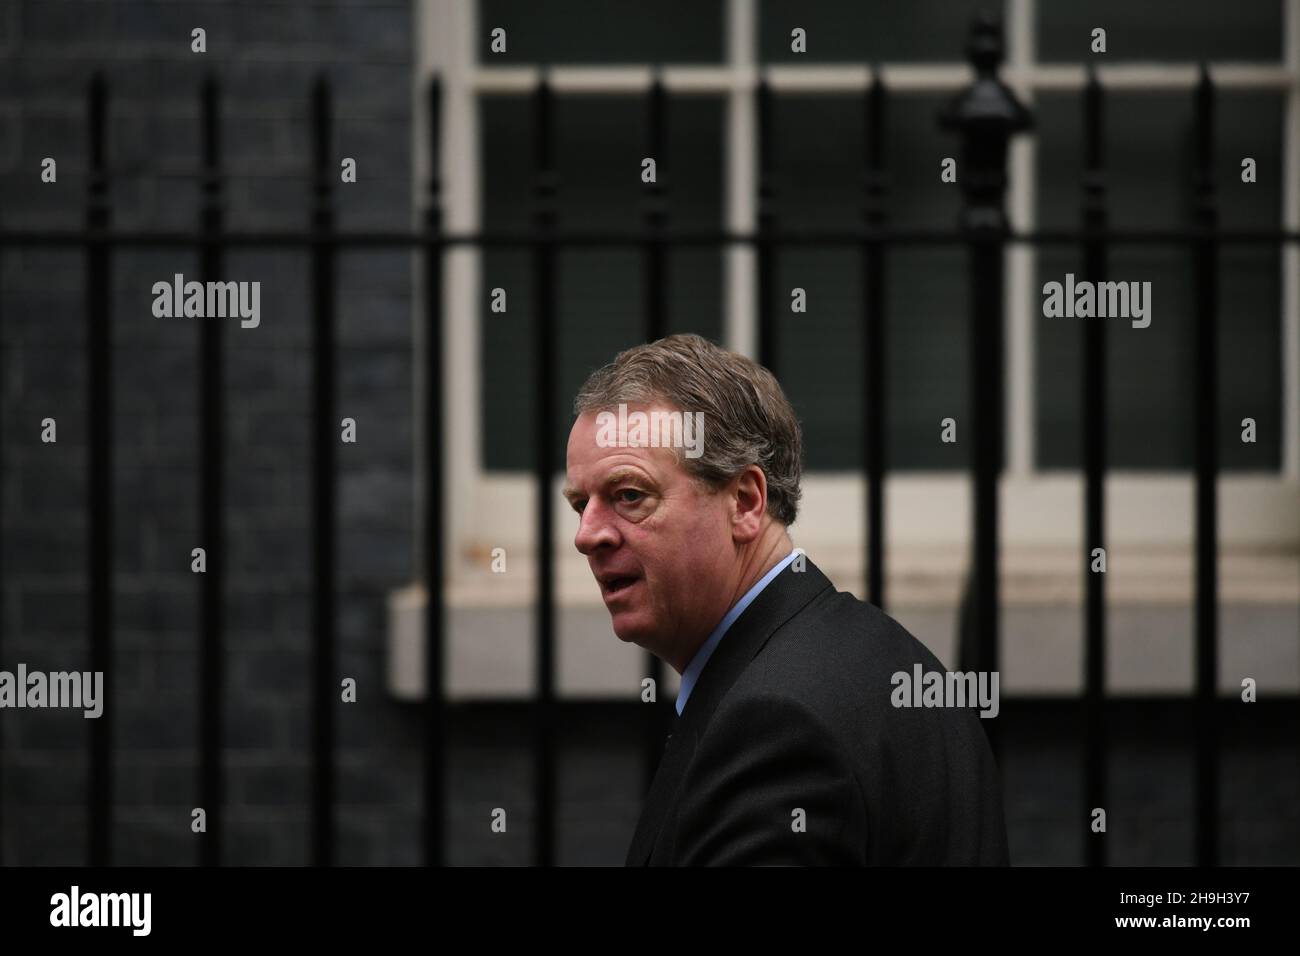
point(595, 528)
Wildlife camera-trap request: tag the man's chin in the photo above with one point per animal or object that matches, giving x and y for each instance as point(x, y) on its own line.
point(628, 635)
point(631, 632)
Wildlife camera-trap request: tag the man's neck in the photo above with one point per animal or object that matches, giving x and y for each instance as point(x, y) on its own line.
point(765, 553)
point(771, 549)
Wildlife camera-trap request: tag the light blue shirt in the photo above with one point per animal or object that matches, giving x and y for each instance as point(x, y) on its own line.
point(692, 672)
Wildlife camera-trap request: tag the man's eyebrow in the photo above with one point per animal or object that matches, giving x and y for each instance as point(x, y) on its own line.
point(621, 473)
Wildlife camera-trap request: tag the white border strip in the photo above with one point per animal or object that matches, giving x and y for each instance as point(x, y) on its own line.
point(1021, 263)
point(854, 78)
point(1291, 254)
point(740, 306)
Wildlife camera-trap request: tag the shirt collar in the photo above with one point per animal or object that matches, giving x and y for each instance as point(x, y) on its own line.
point(692, 672)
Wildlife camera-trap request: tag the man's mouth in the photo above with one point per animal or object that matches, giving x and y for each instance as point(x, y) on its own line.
point(614, 585)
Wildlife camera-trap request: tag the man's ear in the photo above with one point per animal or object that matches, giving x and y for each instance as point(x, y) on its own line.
point(749, 500)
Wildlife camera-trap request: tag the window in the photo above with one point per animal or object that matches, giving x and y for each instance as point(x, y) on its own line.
point(600, 141)
point(602, 54)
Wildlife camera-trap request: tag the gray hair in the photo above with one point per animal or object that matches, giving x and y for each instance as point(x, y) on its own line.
point(751, 422)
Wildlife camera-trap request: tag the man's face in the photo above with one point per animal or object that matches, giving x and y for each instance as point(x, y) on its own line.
point(658, 544)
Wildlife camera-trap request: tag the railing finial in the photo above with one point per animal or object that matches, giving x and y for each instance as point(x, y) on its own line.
point(986, 114)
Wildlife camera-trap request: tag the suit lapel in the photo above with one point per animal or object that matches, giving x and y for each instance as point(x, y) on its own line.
point(673, 763)
point(784, 597)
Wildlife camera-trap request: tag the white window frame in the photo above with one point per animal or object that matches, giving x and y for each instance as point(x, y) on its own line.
point(927, 514)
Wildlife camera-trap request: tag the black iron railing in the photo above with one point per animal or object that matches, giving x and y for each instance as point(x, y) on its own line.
point(985, 116)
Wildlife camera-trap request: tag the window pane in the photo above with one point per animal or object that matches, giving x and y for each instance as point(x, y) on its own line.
point(818, 181)
point(1161, 30)
point(1151, 377)
point(853, 31)
point(597, 31)
point(600, 141)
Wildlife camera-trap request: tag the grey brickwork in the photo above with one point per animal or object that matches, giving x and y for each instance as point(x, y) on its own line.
point(266, 55)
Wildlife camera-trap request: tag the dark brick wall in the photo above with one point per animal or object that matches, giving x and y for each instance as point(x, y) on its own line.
point(265, 54)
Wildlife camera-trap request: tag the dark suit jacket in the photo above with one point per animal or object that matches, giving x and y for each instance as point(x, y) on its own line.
point(793, 711)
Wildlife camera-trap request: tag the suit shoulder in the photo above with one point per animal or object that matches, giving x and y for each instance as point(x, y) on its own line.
point(835, 658)
point(835, 642)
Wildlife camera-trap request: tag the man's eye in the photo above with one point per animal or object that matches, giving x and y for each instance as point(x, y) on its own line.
point(629, 491)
